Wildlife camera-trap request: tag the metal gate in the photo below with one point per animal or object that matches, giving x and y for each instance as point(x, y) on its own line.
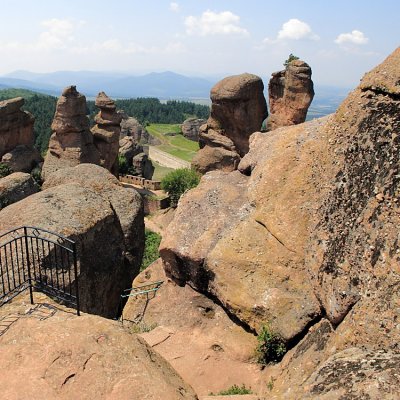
point(37, 259)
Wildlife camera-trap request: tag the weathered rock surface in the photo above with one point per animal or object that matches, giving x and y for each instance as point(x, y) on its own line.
point(16, 187)
point(71, 142)
point(87, 217)
point(238, 109)
point(142, 166)
point(16, 127)
point(131, 127)
point(106, 132)
point(129, 148)
point(126, 203)
point(194, 335)
point(62, 356)
point(291, 92)
point(22, 158)
point(319, 239)
point(190, 128)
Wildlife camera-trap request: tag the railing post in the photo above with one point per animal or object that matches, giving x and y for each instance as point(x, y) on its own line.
point(28, 264)
point(78, 311)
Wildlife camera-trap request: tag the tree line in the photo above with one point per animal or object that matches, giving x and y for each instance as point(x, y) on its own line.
point(145, 110)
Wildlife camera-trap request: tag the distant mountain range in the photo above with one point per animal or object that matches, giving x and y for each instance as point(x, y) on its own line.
point(164, 85)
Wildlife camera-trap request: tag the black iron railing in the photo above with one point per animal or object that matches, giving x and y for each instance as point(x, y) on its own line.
point(37, 259)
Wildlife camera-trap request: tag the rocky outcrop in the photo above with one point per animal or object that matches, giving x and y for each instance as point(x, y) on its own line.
point(88, 218)
point(71, 142)
point(126, 203)
point(106, 132)
point(142, 166)
point(49, 353)
point(129, 148)
point(291, 92)
point(190, 128)
point(193, 334)
point(16, 187)
point(16, 127)
point(315, 253)
point(22, 158)
point(238, 109)
point(131, 127)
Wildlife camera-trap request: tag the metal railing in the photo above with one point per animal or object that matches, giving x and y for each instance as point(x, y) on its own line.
point(146, 289)
point(37, 259)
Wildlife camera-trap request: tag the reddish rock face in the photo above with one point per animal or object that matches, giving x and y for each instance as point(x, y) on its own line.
point(310, 246)
point(16, 126)
point(290, 94)
point(106, 132)
point(191, 127)
point(71, 142)
point(238, 109)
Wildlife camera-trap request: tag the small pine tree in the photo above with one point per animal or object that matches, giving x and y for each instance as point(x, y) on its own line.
point(291, 58)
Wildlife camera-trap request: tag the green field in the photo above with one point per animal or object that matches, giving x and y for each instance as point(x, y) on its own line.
point(173, 142)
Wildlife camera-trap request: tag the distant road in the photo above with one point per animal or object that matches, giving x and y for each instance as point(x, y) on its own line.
point(167, 160)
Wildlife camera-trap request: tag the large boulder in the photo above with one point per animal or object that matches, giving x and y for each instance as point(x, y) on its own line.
point(291, 92)
point(190, 128)
point(142, 166)
point(49, 353)
point(88, 218)
point(315, 257)
point(106, 132)
point(16, 187)
point(16, 127)
point(238, 109)
point(71, 142)
point(129, 148)
point(126, 203)
point(22, 158)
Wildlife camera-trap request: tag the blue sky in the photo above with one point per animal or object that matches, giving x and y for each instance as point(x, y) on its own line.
point(341, 40)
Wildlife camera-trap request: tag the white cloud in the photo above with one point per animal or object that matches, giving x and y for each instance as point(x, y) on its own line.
point(354, 37)
point(174, 7)
point(212, 23)
point(295, 29)
point(58, 33)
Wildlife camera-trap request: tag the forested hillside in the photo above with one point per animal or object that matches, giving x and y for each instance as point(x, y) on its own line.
point(151, 110)
point(145, 110)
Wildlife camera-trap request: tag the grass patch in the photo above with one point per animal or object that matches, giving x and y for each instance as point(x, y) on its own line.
point(176, 144)
point(152, 242)
point(235, 389)
point(160, 171)
point(270, 347)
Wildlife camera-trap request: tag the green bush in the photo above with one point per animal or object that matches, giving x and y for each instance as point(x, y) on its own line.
point(235, 389)
point(291, 58)
point(122, 164)
point(178, 182)
point(4, 170)
point(152, 242)
point(270, 348)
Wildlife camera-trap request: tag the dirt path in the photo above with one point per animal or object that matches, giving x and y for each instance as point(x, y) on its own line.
point(167, 160)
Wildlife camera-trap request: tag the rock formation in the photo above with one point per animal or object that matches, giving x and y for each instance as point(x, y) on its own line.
point(106, 132)
point(87, 205)
point(16, 187)
point(126, 203)
point(129, 148)
point(22, 158)
point(190, 128)
point(71, 142)
point(238, 109)
point(290, 94)
point(304, 238)
point(49, 353)
point(142, 166)
point(16, 127)
point(131, 127)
